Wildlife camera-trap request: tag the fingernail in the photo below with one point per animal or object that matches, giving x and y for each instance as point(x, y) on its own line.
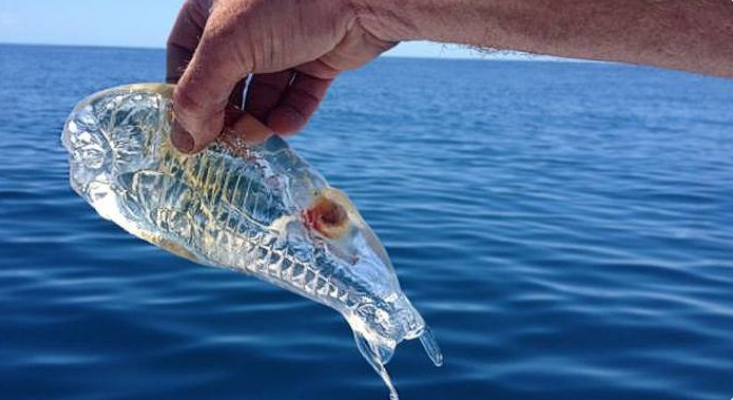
point(181, 139)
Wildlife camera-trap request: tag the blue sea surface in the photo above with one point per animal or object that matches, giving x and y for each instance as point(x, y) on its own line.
point(565, 228)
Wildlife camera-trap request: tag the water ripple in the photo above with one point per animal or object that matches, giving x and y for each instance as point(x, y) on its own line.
point(564, 228)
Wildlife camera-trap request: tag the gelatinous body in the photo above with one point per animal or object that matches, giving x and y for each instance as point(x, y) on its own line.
point(260, 210)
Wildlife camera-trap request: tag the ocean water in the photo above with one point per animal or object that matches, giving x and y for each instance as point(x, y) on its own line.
point(565, 228)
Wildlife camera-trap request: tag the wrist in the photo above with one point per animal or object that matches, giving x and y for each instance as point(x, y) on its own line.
point(388, 20)
point(449, 21)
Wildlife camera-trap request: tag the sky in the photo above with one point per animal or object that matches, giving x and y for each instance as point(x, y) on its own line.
point(134, 23)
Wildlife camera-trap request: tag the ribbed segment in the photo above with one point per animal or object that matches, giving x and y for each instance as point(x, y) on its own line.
point(233, 215)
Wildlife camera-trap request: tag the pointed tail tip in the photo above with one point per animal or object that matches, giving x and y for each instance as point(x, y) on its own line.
point(372, 356)
point(431, 346)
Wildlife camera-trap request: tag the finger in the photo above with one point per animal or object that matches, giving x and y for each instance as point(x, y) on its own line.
point(298, 104)
point(265, 91)
point(245, 130)
point(203, 91)
point(184, 38)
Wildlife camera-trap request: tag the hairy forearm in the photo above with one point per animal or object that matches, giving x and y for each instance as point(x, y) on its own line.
point(693, 35)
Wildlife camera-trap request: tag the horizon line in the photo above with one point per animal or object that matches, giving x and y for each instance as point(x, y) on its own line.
point(500, 55)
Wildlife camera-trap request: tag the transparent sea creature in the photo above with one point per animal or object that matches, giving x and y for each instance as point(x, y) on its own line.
point(259, 210)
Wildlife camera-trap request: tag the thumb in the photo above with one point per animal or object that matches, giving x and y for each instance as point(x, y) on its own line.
point(202, 95)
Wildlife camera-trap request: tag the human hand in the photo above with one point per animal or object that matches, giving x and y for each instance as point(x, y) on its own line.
point(294, 49)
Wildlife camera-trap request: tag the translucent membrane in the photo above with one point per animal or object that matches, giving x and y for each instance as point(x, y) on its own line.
point(259, 210)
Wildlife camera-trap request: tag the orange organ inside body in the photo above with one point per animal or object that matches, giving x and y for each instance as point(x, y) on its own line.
point(327, 217)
